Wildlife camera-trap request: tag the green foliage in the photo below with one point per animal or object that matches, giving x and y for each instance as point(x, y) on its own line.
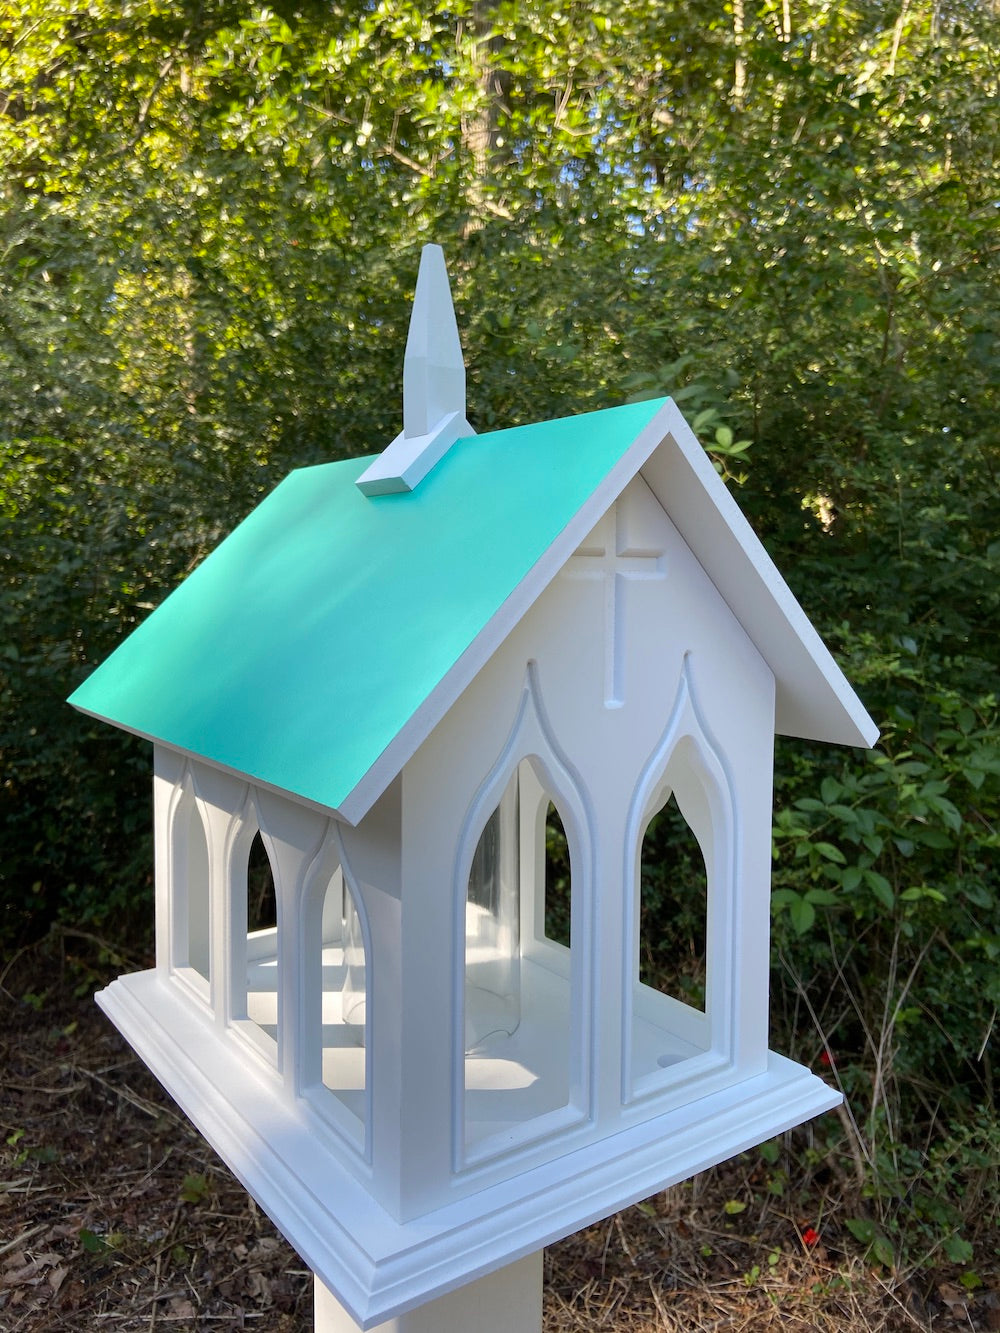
point(673, 905)
point(558, 895)
point(887, 924)
point(210, 216)
point(91, 1243)
point(194, 1187)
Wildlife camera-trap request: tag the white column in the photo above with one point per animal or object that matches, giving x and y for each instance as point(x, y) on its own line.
point(508, 1301)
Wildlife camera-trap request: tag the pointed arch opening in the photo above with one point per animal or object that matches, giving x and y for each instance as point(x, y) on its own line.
point(262, 904)
point(334, 989)
point(261, 977)
point(192, 899)
point(678, 934)
point(523, 876)
point(558, 908)
point(344, 1031)
point(673, 908)
point(493, 928)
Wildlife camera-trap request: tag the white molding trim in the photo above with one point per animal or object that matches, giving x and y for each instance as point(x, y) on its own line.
point(533, 739)
point(686, 722)
point(379, 1267)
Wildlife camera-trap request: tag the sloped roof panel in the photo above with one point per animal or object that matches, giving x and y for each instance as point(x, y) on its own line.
point(302, 646)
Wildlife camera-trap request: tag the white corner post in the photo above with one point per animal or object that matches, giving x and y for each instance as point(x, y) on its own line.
point(433, 387)
point(507, 1301)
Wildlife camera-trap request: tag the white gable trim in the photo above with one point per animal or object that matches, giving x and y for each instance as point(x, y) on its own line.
point(814, 700)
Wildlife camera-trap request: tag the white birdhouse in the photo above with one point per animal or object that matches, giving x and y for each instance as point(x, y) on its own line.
point(400, 672)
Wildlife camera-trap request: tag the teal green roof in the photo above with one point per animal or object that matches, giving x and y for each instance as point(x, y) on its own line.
point(298, 650)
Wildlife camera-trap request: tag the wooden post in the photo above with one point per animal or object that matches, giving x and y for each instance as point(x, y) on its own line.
point(508, 1301)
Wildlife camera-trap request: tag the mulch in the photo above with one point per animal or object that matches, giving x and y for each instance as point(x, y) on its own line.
point(115, 1215)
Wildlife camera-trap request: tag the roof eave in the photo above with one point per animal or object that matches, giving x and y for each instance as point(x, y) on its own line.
point(814, 700)
point(333, 812)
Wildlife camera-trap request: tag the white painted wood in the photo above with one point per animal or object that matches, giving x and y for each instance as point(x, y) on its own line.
point(168, 773)
point(226, 808)
point(372, 860)
point(433, 387)
point(405, 462)
point(543, 1067)
point(433, 367)
point(189, 869)
point(658, 1037)
point(380, 1267)
point(507, 1301)
point(608, 555)
point(565, 636)
point(293, 836)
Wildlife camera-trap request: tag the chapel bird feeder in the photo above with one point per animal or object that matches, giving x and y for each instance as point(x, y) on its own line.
point(397, 678)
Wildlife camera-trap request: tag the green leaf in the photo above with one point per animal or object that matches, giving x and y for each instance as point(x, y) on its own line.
point(844, 813)
point(959, 1251)
point(830, 790)
point(861, 1229)
point(933, 837)
point(821, 897)
point(918, 891)
point(831, 853)
point(194, 1187)
point(878, 1245)
point(802, 913)
point(881, 888)
point(882, 1251)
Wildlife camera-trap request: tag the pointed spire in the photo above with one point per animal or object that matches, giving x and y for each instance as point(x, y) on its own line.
point(433, 369)
point(433, 386)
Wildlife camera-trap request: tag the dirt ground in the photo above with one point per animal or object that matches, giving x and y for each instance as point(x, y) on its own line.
point(115, 1215)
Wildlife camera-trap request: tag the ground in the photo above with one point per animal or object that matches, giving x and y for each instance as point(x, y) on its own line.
point(115, 1215)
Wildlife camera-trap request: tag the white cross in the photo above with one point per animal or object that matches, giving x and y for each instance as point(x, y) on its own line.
point(608, 555)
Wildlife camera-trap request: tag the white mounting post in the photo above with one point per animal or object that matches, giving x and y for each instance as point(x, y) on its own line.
point(508, 1301)
point(433, 386)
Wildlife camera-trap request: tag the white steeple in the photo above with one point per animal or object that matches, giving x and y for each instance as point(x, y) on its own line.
point(433, 386)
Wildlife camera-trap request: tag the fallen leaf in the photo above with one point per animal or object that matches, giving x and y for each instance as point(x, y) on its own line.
point(260, 1288)
point(29, 1272)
